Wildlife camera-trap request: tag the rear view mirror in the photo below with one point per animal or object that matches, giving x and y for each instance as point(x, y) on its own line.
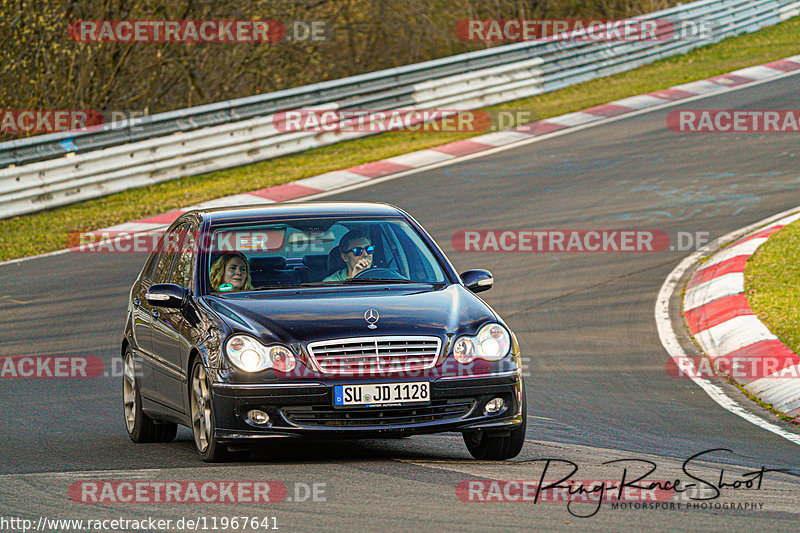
point(478, 280)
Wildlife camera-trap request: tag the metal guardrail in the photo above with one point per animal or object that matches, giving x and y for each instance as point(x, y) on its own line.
point(57, 169)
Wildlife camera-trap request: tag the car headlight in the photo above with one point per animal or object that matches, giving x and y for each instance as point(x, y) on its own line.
point(492, 343)
point(247, 354)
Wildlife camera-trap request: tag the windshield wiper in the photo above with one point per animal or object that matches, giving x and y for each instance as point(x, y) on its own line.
point(351, 281)
point(380, 280)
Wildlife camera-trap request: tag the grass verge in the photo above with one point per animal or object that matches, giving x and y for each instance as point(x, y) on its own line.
point(46, 231)
point(772, 285)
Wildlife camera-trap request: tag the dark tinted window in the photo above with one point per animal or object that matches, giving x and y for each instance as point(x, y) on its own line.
point(182, 268)
point(294, 252)
point(168, 246)
point(151, 264)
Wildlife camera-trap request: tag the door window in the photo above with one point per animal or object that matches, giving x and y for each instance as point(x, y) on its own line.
point(182, 270)
point(168, 246)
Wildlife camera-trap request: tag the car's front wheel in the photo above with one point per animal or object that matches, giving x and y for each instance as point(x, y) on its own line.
point(140, 427)
point(498, 447)
point(203, 422)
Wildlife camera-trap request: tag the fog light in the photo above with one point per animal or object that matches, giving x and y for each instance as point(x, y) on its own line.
point(258, 417)
point(494, 405)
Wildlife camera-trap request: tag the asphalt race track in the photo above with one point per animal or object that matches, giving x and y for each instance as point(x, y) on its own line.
point(596, 383)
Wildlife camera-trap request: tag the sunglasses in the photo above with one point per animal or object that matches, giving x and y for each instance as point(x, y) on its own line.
point(358, 250)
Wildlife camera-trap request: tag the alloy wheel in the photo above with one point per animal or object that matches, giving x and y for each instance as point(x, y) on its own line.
point(201, 408)
point(129, 392)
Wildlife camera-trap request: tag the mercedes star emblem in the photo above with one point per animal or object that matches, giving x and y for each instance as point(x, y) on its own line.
point(371, 316)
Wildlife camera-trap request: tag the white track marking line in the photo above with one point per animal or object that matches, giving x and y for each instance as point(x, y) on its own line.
point(641, 101)
point(40, 256)
point(577, 118)
point(670, 341)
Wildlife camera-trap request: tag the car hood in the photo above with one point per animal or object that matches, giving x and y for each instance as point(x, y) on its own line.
point(302, 316)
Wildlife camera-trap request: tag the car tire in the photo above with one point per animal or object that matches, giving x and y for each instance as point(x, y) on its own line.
point(201, 407)
point(140, 427)
point(498, 447)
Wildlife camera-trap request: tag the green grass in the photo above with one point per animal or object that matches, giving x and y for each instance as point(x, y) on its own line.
point(46, 231)
point(772, 285)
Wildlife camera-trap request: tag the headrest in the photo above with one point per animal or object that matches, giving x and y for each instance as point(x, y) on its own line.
point(335, 262)
point(267, 263)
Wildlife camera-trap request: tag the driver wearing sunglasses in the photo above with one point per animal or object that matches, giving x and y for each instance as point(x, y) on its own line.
point(356, 251)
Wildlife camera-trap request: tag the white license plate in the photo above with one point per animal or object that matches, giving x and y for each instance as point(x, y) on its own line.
point(382, 394)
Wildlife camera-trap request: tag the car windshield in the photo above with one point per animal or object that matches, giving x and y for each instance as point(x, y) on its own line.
point(303, 252)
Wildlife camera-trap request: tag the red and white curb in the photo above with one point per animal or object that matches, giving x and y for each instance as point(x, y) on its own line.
point(722, 322)
point(438, 154)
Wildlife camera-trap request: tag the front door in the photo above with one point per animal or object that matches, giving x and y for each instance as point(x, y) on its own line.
point(171, 330)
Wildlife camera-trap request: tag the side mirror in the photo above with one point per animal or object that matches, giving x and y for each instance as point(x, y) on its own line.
point(166, 295)
point(477, 280)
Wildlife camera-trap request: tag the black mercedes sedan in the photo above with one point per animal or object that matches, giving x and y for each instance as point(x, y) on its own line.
point(327, 320)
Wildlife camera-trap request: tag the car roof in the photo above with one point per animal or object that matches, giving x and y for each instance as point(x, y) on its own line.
point(248, 213)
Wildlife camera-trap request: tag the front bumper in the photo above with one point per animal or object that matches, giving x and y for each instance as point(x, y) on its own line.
point(306, 409)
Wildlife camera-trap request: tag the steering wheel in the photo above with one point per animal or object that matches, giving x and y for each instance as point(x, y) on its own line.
point(379, 273)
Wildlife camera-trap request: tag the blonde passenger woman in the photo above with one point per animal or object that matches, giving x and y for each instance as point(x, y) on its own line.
point(231, 272)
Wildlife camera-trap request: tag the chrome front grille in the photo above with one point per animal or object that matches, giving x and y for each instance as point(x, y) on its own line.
point(375, 355)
